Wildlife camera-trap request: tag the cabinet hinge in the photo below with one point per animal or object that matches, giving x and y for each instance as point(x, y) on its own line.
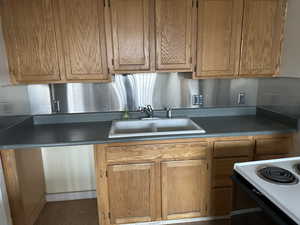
point(113, 62)
point(106, 173)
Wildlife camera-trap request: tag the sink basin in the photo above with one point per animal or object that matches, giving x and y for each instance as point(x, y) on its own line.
point(153, 127)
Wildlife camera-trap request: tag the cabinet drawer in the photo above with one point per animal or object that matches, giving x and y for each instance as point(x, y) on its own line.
point(221, 201)
point(233, 148)
point(273, 146)
point(156, 151)
point(267, 157)
point(222, 170)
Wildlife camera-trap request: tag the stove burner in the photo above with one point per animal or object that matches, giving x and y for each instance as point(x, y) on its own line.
point(277, 175)
point(297, 167)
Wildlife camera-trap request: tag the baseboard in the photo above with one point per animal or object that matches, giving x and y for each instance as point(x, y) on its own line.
point(69, 196)
point(181, 220)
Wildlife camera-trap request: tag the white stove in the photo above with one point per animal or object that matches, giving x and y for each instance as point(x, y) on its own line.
point(285, 195)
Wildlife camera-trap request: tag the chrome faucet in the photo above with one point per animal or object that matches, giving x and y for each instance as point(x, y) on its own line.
point(169, 112)
point(148, 110)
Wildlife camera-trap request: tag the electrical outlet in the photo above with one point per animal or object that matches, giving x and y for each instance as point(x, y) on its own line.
point(241, 100)
point(198, 100)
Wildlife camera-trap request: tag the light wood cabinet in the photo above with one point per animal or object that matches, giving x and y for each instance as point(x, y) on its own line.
point(239, 38)
point(131, 26)
point(273, 147)
point(55, 41)
point(219, 38)
point(174, 179)
point(221, 201)
point(24, 179)
point(32, 40)
point(131, 191)
point(262, 36)
point(137, 182)
point(225, 154)
point(82, 24)
point(174, 35)
point(184, 188)
point(223, 169)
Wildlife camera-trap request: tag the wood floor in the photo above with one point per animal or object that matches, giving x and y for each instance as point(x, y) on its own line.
point(84, 212)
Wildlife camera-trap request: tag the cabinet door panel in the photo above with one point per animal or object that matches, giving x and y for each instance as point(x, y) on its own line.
point(221, 201)
point(219, 36)
point(236, 148)
point(184, 189)
point(84, 40)
point(222, 170)
point(32, 40)
point(131, 193)
point(268, 157)
point(131, 27)
point(262, 36)
point(174, 34)
point(274, 146)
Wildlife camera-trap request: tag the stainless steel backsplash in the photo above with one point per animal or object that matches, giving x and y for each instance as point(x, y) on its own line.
point(131, 91)
point(159, 90)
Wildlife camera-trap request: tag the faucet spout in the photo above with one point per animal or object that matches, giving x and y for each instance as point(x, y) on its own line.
point(148, 110)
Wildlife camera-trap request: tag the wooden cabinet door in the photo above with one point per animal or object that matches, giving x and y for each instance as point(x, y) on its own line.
point(222, 170)
point(219, 36)
point(274, 146)
point(174, 28)
point(82, 24)
point(132, 34)
point(32, 40)
point(221, 201)
point(131, 191)
point(184, 189)
point(262, 36)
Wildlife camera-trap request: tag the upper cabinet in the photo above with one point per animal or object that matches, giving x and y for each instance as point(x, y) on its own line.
point(262, 37)
point(32, 41)
point(174, 35)
point(82, 24)
point(239, 38)
point(50, 41)
point(219, 37)
point(131, 25)
point(56, 41)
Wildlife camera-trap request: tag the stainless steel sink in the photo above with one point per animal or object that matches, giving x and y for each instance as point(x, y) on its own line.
point(153, 127)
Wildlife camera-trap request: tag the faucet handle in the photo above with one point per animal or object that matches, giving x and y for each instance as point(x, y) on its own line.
point(149, 107)
point(169, 111)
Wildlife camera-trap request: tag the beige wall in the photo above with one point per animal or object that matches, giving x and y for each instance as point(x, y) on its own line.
point(69, 169)
point(291, 48)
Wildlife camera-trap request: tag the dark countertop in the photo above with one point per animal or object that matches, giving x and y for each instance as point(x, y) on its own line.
point(27, 135)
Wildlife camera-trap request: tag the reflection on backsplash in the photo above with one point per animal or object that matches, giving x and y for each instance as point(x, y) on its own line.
point(280, 94)
point(279, 91)
point(160, 90)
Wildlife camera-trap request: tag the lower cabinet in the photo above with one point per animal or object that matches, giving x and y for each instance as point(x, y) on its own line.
point(184, 188)
point(131, 190)
point(221, 201)
point(172, 182)
point(175, 179)
point(225, 154)
point(270, 147)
